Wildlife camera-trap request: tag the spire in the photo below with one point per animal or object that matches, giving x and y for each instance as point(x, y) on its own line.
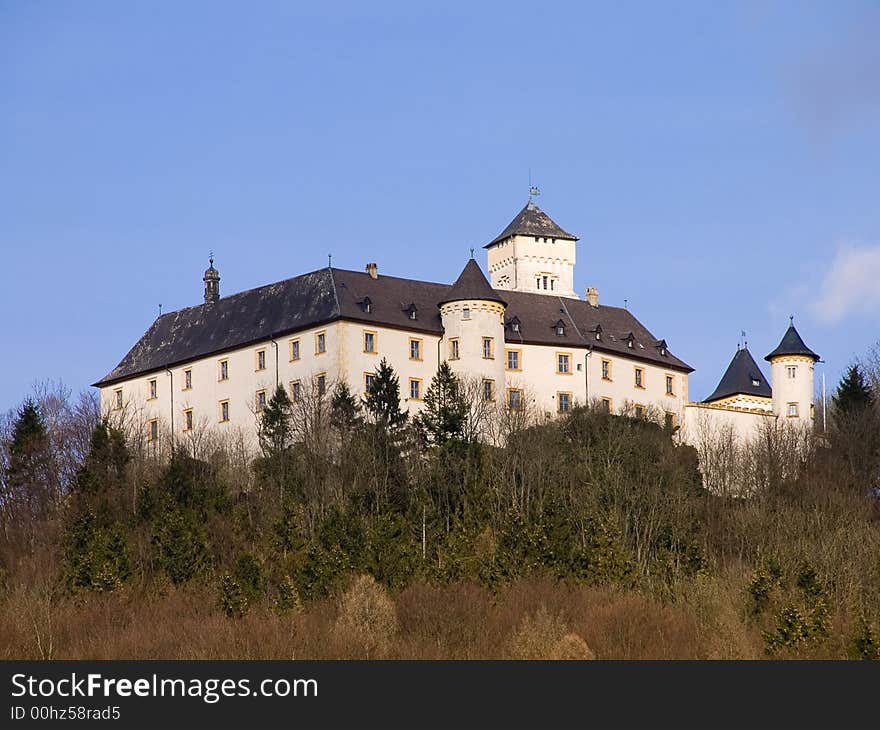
point(212, 282)
point(532, 221)
point(742, 377)
point(472, 284)
point(791, 344)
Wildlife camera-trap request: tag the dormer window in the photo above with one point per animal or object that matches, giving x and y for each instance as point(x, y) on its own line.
point(367, 305)
point(410, 311)
point(560, 328)
point(756, 382)
point(629, 343)
point(514, 325)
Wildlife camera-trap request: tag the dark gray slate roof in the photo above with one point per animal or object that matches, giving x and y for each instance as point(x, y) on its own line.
point(532, 221)
point(471, 284)
point(791, 344)
point(740, 377)
point(327, 295)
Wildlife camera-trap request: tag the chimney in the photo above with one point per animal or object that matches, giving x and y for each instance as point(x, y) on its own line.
point(592, 296)
point(373, 270)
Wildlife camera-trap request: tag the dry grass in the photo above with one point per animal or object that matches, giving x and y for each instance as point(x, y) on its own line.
point(529, 619)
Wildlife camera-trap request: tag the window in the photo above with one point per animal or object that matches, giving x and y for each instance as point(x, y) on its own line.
point(415, 389)
point(792, 410)
point(261, 360)
point(563, 402)
point(552, 284)
point(640, 378)
point(792, 371)
point(224, 370)
point(640, 411)
point(544, 281)
point(415, 349)
point(606, 370)
point(756, 382)
point(669, 421)
point(187, 379)
point(453, 349)
point(369, 380)
point(466, 313)
point(294, 350)
point(261, 400)
point(296, 391)
point(224, 411)
point(188, 420)
point(320, 343)
point(322, 384)
point(488, 348)
point(563, 363)
point(606, 404)
point(117, 399)
point(560, 329)
point(669, 383)
point(513, 360)
point(514, 399)
point(153, 429)
point(412, 313)
point(488, 390)
point(153, 389)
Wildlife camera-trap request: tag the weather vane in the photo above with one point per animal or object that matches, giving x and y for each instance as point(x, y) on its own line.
point(534, 190)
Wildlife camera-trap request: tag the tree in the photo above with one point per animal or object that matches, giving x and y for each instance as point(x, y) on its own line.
point(445, 412)
point(382, 400)
point(30, 478)
point(345, 411)
point(275, 425)
point(853, 394)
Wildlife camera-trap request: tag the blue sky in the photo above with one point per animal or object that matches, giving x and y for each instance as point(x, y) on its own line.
point(718, 160)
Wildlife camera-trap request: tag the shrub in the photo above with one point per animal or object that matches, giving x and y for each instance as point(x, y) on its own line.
point(543, 635)
point(367, 620)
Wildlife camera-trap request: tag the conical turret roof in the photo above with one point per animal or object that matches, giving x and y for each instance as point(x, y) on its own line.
point(742, 377)
point(532, 221)
point(472, 284)
point(791, 344)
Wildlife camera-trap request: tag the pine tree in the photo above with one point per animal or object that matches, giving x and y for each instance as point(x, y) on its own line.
point(445, 413)
point(30, 476)
point(382, 400)
point(275, 426)
point(345, 411)
point(853, 394)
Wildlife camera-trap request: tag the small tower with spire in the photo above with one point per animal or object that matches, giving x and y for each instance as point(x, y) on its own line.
point(791, 373)
point(473, 329)
point(533, 254)
point(212, 282)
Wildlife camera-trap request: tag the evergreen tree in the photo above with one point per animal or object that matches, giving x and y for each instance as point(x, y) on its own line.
point(275, 425)
point(345, 411)
point(445, 413)
point(382, 400)
point(853, 393)
point(30, 477)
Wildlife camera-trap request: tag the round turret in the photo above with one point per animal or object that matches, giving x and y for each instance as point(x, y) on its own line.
point(791, 373)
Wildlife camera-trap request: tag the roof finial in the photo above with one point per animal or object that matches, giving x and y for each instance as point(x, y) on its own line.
point(791, 320)
point(160, 309)
point(626, 303)
point(329, 260)
point(472, 251)
point(534, 191)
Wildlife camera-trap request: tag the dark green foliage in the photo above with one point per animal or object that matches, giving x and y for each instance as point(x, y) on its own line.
point(853, 394)
point(345, 411)
point(382, 399)
point(233, 600)
point(95, 555)
point(276, 428)
point(248, 573)
point(105, 465)
point(864, 644)
point(31, 479)
point(445, 412)
point(181, 545)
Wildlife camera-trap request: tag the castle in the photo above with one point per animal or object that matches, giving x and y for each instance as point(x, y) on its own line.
point(526, 338)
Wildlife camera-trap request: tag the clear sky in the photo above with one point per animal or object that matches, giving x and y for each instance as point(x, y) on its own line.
point(719, 161)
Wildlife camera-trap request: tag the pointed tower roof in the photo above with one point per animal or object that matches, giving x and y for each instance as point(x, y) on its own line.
point(532, 221)
point(791, 344)
point(472, 284)
point(742, 377)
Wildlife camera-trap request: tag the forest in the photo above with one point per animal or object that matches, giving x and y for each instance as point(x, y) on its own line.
point(361, 533)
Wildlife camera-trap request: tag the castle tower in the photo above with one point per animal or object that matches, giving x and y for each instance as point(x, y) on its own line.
point(743, 384)
point(473, 330)
point(212, 283)
point(533, 254)
point(791, 373)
